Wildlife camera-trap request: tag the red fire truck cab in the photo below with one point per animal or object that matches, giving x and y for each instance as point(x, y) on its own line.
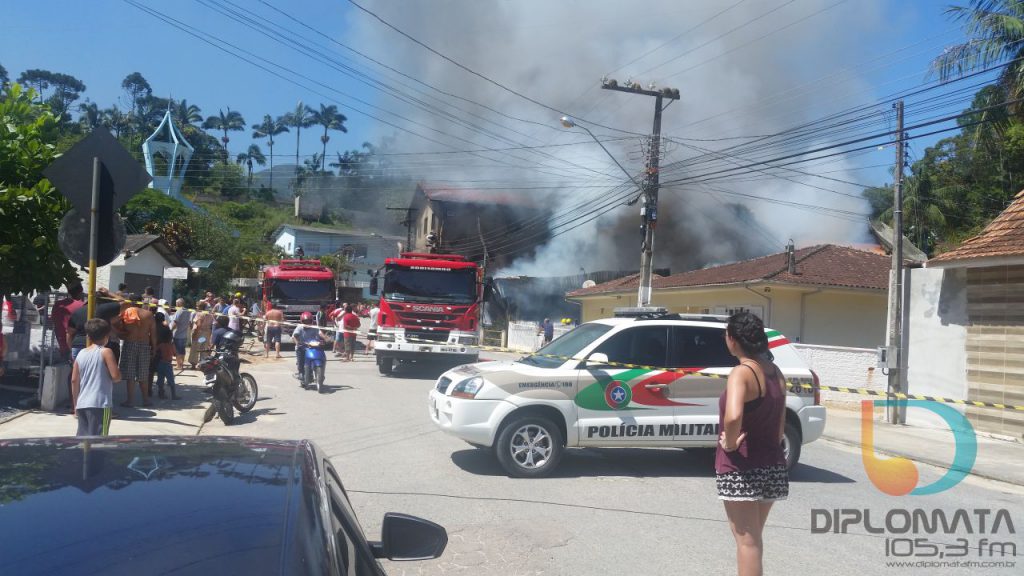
point(429, 309)
point(297, 286)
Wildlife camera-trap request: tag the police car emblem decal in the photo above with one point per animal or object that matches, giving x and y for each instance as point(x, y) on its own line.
point(617, 395)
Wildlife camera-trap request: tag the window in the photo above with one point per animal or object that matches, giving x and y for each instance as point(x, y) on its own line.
point(568, 345)
point(353, 251)
point(699, 347)
point(348, 540)
point(730, 310)
point(312, 248)
point(641, 345)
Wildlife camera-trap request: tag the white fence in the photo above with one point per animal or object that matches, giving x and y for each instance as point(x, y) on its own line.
point(842, 366)
point(524, 336)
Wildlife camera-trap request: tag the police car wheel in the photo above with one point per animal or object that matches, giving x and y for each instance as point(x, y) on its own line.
point(791, 444)
point(386, 365)
point(529, 447)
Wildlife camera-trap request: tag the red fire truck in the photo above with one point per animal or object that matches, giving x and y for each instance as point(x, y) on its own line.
point(297, 286)
point(429, 309)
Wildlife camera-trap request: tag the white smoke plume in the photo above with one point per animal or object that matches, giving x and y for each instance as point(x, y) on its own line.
point(557, 52)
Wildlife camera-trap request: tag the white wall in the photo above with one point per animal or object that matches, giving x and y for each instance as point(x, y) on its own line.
point(286, 241)
point(149, 261)
point(843, 366)
point(935, 336)
point(523, 336)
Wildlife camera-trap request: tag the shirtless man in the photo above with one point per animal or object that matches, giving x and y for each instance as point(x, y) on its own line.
point(137, 330)
point(273, 317)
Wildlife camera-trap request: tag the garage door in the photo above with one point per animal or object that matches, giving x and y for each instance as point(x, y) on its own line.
point(995, 347)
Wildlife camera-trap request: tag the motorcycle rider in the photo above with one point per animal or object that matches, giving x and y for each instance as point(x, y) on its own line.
point(303, 333)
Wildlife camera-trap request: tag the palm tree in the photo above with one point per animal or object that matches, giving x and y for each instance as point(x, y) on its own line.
point(923, 207)
point(299, 118)
point(91, 116)
point(268, 129)
point(995, 31)
point(330, 119)
point(253, 154)
point(224, 122)
point(346, 163)
point(187, 114)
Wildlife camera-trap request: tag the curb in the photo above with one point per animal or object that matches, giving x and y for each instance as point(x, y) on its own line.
point(15, 417)
point(929, 461)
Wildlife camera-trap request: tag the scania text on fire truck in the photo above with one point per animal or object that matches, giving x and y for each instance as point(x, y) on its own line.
point(297, 286)
point(429, 309)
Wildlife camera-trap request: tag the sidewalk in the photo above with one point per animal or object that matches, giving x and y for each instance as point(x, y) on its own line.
point(165, 417)
point(1001, 460)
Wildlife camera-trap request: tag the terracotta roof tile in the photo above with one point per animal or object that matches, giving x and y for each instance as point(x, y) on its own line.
point(825, 265)
point(1003, 237)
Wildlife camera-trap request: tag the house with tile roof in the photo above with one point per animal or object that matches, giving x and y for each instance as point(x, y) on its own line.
point(966, 331)
point(142, 263)
point(458, 217)
point(826, 294)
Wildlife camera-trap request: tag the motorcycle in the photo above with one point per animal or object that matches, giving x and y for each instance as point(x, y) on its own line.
point(229, 389)
point(314, 365)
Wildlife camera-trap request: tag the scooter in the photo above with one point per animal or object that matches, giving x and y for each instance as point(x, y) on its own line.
point(315, 364)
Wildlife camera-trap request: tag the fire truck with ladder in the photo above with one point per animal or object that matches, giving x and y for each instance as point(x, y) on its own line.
point(429, 309)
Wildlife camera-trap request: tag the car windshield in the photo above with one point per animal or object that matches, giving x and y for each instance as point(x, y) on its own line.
point(566, 346)
point(429, 285)
point(302, 291)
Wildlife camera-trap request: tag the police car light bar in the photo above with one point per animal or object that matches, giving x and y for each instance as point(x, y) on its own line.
point(640, 311)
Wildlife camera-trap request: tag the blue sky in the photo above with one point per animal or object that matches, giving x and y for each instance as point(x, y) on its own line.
point(101, 41)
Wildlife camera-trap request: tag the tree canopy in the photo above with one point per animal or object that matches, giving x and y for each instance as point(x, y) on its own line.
point(30, 207)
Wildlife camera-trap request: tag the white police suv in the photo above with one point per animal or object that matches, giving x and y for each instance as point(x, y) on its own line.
point(576, 392)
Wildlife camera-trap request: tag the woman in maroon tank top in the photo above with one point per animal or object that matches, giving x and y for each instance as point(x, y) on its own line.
point(750, 467)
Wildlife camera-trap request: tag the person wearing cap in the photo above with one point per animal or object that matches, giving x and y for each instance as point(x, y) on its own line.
point(161, 307)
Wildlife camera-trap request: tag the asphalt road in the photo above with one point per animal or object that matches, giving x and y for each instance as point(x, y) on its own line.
point(613, 511)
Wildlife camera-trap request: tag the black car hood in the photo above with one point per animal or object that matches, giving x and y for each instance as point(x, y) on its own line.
point(146, 505)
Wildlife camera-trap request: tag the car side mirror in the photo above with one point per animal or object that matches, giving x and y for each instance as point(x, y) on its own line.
point(405, 537)
point(597, 359)
point(373, 286)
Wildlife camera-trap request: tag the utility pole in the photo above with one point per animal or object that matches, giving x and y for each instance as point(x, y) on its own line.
point(408, 225)
point(894, 353)
point(651, 183)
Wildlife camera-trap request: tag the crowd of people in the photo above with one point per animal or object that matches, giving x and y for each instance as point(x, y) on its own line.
point(143, 340)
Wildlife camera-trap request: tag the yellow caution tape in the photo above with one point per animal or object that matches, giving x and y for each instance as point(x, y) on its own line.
point(789, 383)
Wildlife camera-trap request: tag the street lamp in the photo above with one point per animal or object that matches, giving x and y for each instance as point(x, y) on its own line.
point(570, 122)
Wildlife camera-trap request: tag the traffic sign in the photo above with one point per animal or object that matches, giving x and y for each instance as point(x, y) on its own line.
point(97, 176)
point(73, 238)
point(72, 172)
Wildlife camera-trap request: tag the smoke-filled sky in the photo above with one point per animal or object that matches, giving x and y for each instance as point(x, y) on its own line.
point(744, 68)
